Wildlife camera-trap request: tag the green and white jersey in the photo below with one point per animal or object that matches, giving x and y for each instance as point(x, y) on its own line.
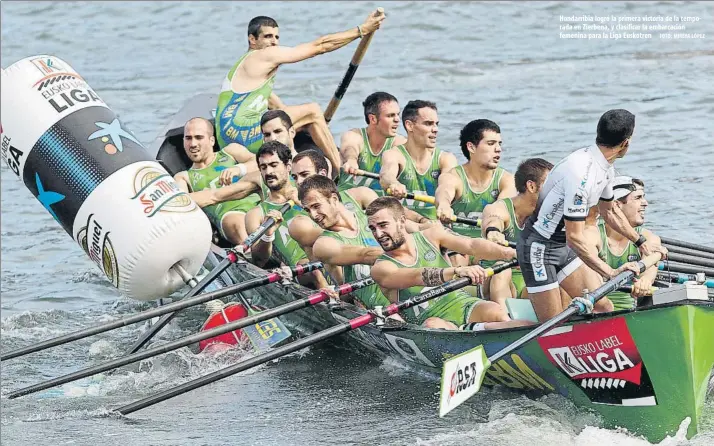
point(238, 113)
point(454, 307)
point(285, 248)
point(621, 301)
point(423, 183)
point(471, 202)
point(369, 162)
point(207, 178)
point(370, 296)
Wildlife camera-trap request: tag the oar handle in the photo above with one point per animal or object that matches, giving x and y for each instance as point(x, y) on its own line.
point(351, 70)
point(364, 173)
point(417, 197)
point(262, 229)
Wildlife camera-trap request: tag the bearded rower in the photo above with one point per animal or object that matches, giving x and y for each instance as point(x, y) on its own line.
point(209, 171)
point(467, 189)
point(274, 162)
point(416, 165)
point(505, 219)
point(247, 90)
point(381, 112)
point(414, 261)
point(553, 245)
point(616, 250)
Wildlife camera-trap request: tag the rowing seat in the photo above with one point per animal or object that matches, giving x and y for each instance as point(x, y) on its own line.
point(521, 309)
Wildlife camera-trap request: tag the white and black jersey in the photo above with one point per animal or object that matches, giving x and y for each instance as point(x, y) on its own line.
point(572, 187)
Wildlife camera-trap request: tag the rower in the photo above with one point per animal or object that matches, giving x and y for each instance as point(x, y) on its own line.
point(415, 166)
point(414, 261)
point(345, 245)
point(247, 90)
point(211, 170)
point(582, 180)
point(381, 112)
point(504, 220)
point(276, 125)
point(274, 160)
point(468, 188)
point(616, 250)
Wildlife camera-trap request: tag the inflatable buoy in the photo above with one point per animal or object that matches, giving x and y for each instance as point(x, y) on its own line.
point(229, 313)
point(97, 180)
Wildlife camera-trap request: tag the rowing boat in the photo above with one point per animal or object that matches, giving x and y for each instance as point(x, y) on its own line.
point(645, 370)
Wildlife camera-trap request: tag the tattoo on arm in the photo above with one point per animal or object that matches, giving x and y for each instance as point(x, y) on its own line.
point(432, 276)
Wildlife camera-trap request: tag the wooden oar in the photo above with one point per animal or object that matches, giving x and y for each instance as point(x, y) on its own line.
point(690, 260)
point(313, 299)
point(454, 392)
point(666, 265)
point(351, 70)
point(352, 324)
point(232, 257)
point(681, 244)
point(154, 312)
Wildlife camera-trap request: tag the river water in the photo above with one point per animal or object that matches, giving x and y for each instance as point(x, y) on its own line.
point(497, 60)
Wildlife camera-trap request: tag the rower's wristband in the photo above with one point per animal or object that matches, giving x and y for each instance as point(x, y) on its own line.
point(489, 229)
point(268, 238)
point(359, 29)
point(640, 241)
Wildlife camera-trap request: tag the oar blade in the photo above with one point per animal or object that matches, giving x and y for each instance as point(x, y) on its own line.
point(461, 378)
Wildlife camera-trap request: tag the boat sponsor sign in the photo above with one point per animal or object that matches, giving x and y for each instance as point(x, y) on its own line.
point(602, 359)
point(461, 378)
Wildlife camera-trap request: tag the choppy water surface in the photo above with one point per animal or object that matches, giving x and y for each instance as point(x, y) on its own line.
point(502, 61)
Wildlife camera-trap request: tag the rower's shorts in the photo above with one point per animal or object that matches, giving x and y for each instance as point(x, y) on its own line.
point(544, 263)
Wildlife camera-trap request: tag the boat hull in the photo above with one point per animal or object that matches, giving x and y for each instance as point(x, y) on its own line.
point(645, 370)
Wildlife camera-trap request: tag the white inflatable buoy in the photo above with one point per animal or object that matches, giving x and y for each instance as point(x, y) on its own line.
point(97, 180)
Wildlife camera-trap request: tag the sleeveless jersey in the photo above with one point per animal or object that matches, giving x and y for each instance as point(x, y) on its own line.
point(285, 248)
point(621, 301)
point(207, 178)
point(423, 183)
point(471, 202)
point(512, 232)
point(369, 162)
point(454, 307)
point(238, 114)
point(370, 296)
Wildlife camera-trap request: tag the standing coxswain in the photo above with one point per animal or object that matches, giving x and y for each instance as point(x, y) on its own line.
point(582, 180)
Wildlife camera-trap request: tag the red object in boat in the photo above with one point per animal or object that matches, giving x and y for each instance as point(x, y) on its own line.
point(230, 313)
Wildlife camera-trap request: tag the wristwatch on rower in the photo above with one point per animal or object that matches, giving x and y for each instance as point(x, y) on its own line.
point(640, 241)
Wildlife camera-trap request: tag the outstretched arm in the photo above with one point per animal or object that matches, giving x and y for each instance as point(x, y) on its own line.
point(448, 190)
point(392, 163)
point(330, 251)
point(350, 145)
point(236, 191)
point(278, 55)
point(477, 247)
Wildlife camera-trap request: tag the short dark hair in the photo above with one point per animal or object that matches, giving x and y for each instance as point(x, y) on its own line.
point(411, 110)
point(614, 127)
point(473, 133)
point(211, 130)
point(374, 101)
point(317, 158)
point(275, 148)
point(257, 22)
point(385, 202)
point(276, 114)
point(319, 183)
point(532, 169)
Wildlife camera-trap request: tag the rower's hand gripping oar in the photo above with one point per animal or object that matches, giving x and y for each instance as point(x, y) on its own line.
point(305, 302)
point(294, 346)
point(351, 70)
point(474, 363)
point(233, 256)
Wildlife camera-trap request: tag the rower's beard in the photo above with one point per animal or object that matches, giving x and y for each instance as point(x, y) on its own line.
point(396, 242)
point(277, 186)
